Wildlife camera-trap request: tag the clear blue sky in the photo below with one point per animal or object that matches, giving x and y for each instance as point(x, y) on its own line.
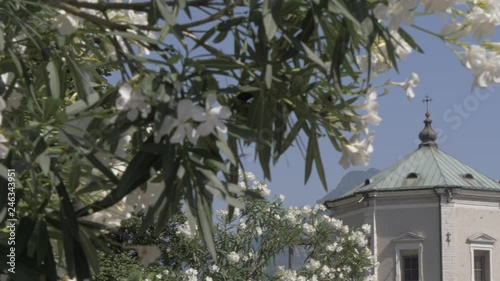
point(467, 122)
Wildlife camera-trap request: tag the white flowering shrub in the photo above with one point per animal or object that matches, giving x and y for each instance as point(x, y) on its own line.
point(109, 107)
point(249, 240)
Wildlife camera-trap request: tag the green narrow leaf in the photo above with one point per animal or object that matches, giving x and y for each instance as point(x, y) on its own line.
point(153, 14)
point(2, 39)
point(292, 135)
point(410, 40)
point(319, 163)
point(268, 20)
point(309, 154)
point(338, 6)
point(80, 77)
point(81, 105)
point(225, 197)
point(220, 37)
point(45, 253)
point(136, 174)
point(221, 143)
point(205, 221)
point(264, 153)
point(54, 82)
point(269, 75)
point(220, 64)
point(90, 251)
point(301, 46)
point(44, 162)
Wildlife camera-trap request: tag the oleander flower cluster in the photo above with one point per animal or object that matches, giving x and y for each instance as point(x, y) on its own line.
point(479, 18)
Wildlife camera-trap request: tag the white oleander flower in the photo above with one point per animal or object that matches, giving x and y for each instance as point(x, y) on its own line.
point(287, 275)
point(212, 118)
point(484, 18)
point(262, 189)
point(396, 13)
point(147, 254)
point(258, 229)
point(185, 111)
point(331, 247)
point(191, 275)
point(440, 6)
point(14, 100)
point(370, 105)
point(312, 265)
point(185, 230)
point(133, 101)
point(408, 85)
point(455, 30)
point(280, 197)
point(308, 229)
point(222, 213)
point(484, 65)
point(356, 152)
point(366, 228)
point(214, 268)
point(15, 97)
point(233, 257)
point(379, 57)
point(318, 208)
point(64, 23)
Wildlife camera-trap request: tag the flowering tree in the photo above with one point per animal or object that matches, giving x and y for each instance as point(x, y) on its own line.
point(249, 241)
point(113, 106)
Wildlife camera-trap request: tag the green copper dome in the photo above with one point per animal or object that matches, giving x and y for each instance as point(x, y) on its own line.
point(425, 168)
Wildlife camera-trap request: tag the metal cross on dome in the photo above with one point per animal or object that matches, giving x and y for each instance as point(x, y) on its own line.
point(427, 100)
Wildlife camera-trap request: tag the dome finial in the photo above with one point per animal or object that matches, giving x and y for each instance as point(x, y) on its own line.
point(427, 135)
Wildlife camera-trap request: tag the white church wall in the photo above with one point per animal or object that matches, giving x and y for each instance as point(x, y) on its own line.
point(477, 217)
point(394, 220)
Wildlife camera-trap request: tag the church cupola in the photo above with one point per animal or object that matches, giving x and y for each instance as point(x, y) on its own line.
point(427, 135)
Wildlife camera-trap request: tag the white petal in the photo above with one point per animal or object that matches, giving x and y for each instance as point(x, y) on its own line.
point(344, 161)
point(125, 90)
point(205, 129)
point(3, 105)
point(165, 128)
point(410, 94)
point(4, 151)
point(184, 110)
point(191, 133)
point(211, 99)
point(220, 126)
point(222, 112)
point(132, 114)
point(198, 114)
point(178, 135)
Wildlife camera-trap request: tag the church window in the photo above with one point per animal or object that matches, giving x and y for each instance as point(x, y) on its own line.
point(409, 270)
point(481, 256)
point(481, 265)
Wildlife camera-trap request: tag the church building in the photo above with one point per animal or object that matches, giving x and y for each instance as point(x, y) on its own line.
point(433, 217)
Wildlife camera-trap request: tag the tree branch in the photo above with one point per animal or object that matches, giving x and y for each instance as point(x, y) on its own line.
point(136, 6)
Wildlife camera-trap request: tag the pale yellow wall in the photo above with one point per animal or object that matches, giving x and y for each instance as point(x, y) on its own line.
point(393, 222)
point(471, 220)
